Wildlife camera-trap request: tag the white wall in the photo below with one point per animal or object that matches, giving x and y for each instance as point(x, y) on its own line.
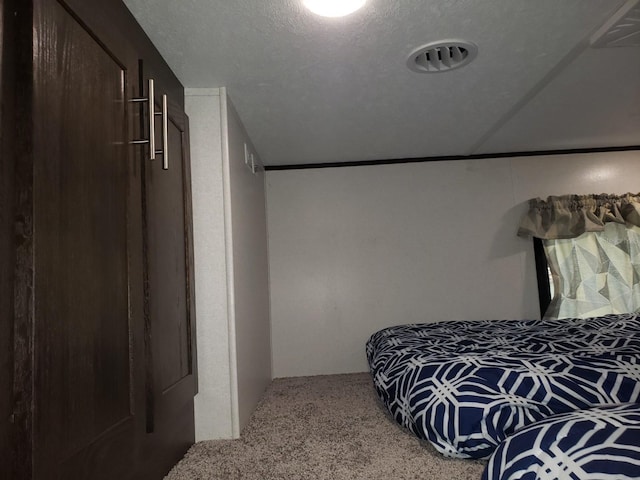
point(250, 269)
point(353, 250)
point(231, 268)
point(213, 404)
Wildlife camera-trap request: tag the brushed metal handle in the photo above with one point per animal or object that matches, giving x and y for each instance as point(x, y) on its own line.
point(152, 120)
point(165, 134)
point(151, 111)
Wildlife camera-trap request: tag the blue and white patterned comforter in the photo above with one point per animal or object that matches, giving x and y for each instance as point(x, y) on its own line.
point(465, 386)
point(598, 443)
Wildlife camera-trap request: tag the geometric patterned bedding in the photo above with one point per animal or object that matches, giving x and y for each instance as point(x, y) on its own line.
point(598, 443)
point(466, 386)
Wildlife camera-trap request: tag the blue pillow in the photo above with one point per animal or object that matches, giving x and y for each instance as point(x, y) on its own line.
point(597, 443)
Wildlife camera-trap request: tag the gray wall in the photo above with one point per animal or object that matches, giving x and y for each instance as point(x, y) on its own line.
point(353, 250)
point(214, 408)
point(250, 271)
point(231, 268)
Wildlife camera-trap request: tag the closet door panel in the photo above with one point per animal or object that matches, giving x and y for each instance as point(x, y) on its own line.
point(168, 272)
point(84, 420)
point(7, 262)
point(168, 222)
point(170, 322)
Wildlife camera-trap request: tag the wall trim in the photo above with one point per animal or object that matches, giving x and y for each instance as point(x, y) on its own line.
point(480, 156)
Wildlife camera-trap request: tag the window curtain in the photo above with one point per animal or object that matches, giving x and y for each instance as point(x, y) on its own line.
point(592, 245)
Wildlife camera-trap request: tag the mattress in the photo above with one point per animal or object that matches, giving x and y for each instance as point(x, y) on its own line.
point(466, 385)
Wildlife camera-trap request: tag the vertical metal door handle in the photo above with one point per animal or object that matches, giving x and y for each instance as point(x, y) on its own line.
point(151, 111)
point(150, 99)
point(165, 134)
point(152, 120)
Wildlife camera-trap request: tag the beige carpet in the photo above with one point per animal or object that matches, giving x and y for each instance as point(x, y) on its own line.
point(326, 428)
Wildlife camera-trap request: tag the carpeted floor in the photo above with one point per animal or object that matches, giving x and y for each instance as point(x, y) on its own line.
point(321, 428)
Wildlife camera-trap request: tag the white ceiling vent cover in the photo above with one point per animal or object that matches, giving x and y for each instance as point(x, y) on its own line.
point(622, 30)
point(441, 56)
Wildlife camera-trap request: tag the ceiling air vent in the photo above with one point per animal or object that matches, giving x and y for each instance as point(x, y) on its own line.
point(622, 30)
point(441, 56)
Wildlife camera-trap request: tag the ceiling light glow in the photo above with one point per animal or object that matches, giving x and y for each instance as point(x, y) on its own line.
point(333, 8)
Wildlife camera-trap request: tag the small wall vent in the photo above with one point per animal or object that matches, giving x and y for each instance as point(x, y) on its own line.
point(441, 56)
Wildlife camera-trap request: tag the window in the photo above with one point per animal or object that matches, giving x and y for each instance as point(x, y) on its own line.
point(590, 246)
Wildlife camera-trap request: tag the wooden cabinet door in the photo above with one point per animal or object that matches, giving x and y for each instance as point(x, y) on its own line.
point(87, 249)
point(7, 97)
point(169, 288)
point(100, 252)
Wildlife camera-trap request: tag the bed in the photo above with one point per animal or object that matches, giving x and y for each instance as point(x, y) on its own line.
point(466, 386)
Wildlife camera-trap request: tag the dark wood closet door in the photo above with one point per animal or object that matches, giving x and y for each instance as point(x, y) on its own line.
point(87, 251)
point(96, 241)
point(170, 308)
point(6, 242)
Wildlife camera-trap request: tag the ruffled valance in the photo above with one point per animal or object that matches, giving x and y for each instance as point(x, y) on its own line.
point(569, 216)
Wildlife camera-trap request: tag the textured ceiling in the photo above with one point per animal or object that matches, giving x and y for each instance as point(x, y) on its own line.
point(312, 89)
